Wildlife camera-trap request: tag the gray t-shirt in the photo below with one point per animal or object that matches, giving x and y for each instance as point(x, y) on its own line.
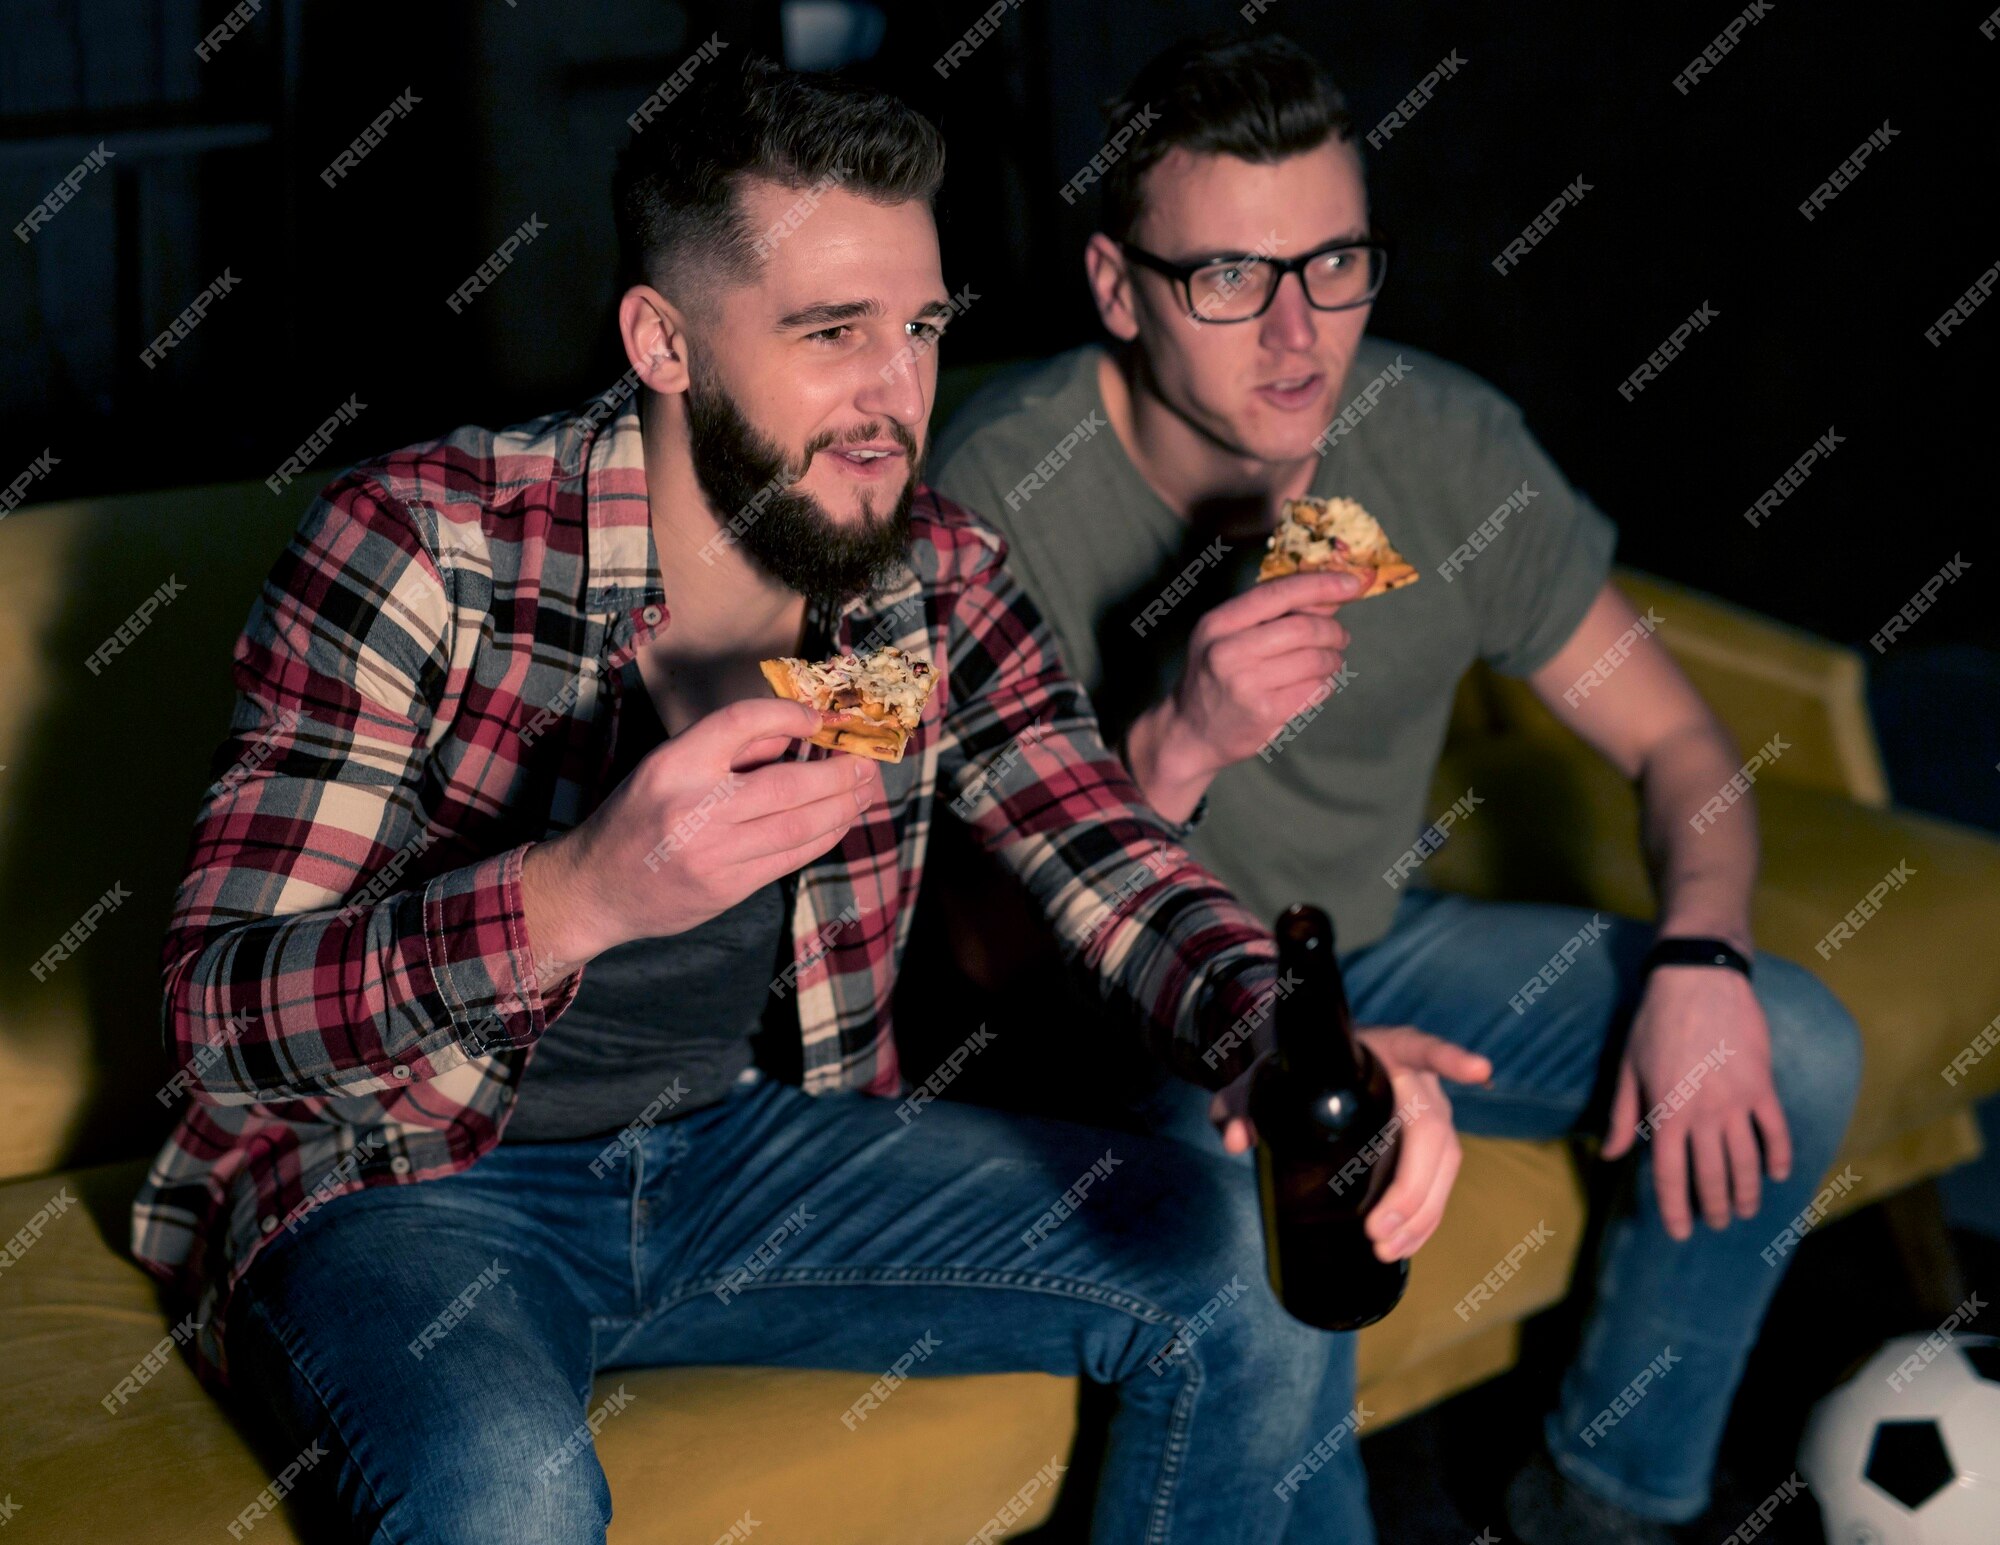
point(1433, 452)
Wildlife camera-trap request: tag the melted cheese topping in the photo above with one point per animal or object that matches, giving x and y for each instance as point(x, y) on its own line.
point(1315, 530)
point(847, 683)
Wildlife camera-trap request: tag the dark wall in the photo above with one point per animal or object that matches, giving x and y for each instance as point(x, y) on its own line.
point(1693, 198)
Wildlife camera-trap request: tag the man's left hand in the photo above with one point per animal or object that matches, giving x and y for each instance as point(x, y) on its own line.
point(1691, 1019)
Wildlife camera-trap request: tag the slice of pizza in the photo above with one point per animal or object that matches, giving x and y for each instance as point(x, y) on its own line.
point(1321, 536)
point(868, 704)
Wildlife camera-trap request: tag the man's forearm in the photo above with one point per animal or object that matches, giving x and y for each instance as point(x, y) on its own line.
point(1170, 767)
point(1703, 877)
point(559, 916)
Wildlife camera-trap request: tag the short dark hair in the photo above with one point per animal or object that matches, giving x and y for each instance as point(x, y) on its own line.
point(1261, 99)
point(675, 189)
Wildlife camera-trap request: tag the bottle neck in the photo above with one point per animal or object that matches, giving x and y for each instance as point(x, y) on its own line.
point(1315, 1026)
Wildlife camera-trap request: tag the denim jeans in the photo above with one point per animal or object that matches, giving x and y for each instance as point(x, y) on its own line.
point(1685, 1313)
point(438, 1339)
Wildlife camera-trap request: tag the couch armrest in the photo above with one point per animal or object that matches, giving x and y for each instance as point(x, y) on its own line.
point(1761, 678)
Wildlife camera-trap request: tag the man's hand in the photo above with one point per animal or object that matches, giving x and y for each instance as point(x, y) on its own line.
point(1408, 1213)
point(702, 822)
point(1702, 1027)
point(1252, 663)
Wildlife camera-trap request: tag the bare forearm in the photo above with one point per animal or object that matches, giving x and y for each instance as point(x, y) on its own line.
point(562, 921)
point(1169, 766)
point(1702, 877)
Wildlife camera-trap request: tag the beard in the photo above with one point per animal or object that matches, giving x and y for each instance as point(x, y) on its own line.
point(789, 534)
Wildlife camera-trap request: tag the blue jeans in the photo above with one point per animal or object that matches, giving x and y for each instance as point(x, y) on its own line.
point(1450, 965)
point(783, 1229)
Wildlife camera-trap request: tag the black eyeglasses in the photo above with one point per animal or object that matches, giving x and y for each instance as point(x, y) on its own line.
point(1240, 286)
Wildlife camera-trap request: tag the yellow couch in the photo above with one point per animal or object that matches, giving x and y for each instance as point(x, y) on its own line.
point(99, 776)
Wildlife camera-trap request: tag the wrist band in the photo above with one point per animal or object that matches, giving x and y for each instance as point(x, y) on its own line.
point(1694, 952)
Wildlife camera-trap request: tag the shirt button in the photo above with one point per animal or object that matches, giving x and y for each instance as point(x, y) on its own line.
point(268, 1223)
point(401, 1070)
point(399, 1165)
point(651, 615)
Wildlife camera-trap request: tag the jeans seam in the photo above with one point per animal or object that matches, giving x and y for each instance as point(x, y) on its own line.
point(1157, 1528)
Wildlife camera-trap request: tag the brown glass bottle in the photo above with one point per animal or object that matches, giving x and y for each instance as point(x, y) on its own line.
point(1326, 1146)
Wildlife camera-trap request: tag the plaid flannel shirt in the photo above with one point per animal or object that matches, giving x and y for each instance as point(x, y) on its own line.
point(426, 686)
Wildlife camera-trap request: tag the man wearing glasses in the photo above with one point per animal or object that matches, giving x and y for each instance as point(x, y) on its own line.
point(1233, 269)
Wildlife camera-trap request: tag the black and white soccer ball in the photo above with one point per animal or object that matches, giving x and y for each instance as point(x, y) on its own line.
point(1907, 1452)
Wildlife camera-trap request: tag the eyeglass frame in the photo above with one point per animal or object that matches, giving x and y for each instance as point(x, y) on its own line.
point(1183, 274)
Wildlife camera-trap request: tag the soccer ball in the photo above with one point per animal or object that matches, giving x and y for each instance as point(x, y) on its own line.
point(1907, 1452)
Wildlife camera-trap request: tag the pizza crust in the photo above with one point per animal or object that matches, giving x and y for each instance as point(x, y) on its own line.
point(1335, 536)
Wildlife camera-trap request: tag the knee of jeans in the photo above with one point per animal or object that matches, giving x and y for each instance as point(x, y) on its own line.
point(505, 1478)
point(1816, 1052)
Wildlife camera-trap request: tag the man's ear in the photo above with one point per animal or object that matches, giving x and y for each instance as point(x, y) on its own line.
point(656, 338)
point(1111, 286)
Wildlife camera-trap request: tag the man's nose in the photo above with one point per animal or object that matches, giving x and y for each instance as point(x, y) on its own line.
point(1289, 326)
point(895, 389)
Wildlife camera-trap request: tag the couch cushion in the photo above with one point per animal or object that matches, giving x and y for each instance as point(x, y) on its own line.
point(694, 1449)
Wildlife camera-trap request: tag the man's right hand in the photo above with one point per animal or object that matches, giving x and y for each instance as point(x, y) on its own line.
point(702, 822)
point(1252, 663)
